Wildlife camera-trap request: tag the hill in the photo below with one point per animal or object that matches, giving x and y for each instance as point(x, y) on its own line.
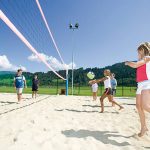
point(6, 72)
point(124, 75)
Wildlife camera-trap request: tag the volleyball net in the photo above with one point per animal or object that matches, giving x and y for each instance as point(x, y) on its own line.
point(36, 35)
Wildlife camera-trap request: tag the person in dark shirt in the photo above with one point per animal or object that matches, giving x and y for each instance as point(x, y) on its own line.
point(35, 86)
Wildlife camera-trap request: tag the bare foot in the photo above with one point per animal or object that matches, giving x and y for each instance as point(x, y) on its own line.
point(121, 108)
point(101, 111)
point(113, 104)
point(143, 131)
point(19, 102)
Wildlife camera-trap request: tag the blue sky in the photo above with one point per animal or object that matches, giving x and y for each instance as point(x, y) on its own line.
point(109, 32)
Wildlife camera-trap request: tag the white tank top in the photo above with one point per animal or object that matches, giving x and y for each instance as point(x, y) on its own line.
point(107, 83)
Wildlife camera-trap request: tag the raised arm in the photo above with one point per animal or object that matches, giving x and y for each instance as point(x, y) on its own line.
point(98, 81)
point(101, 80)
point(136, 64)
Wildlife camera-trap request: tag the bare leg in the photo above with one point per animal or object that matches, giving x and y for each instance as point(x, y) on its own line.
point(112, 94)
point(110, 98)
point(102, 102)
point(19, 97)
point(146, 100)
point(112, 102)
point(32, 94)
point(141, 115)
point(35, 94)
point(94, 96)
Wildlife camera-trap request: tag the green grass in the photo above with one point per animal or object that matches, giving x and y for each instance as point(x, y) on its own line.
point(82, 91)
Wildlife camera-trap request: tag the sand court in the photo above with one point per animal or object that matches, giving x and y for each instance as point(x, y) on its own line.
point(68, 123)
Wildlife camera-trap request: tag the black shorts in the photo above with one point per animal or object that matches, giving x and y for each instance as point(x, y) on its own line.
point(34, 88)
point(113, 92)
point(108, 91)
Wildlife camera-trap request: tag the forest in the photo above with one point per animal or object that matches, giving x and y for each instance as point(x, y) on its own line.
point(125, 76)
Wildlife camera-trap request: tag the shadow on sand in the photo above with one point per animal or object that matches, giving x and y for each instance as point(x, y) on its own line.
point(129, 104)
point(32, 103)
point(86, 111)
point(94, 106)
point(102, 136)
point(4, 103)
point(78, 111)
point(146, 147)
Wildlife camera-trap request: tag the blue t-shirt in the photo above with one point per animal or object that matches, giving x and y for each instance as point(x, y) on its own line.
point(113, 83)
point(19, 81)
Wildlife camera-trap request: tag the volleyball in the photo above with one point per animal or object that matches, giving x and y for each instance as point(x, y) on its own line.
point(90, 75)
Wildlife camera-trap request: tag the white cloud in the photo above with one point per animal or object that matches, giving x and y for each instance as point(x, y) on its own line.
point(5, 64)
point(52, 61)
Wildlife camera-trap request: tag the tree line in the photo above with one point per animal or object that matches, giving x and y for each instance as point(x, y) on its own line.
point(124, 75)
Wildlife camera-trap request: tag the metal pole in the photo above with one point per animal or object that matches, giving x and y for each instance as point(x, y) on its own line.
point(72, 73)
point(57, 86)
point(76, 26)
point(67, 82)
point(122, 87)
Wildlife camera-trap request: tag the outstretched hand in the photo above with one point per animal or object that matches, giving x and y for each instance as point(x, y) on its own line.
point(147, 59)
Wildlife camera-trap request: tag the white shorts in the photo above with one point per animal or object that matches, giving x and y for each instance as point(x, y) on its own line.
point(19, 90)
point(94, 89)
point(145, 85)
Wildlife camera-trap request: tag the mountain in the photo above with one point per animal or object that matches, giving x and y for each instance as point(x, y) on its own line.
point(124, 75)
point(6, 72)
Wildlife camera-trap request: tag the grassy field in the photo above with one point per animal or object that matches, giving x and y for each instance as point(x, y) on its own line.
point(82, 91)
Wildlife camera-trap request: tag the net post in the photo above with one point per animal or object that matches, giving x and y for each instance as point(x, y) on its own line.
point(66, 82)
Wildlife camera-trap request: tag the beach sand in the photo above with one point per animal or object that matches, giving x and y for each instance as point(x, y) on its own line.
point(69, 123)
